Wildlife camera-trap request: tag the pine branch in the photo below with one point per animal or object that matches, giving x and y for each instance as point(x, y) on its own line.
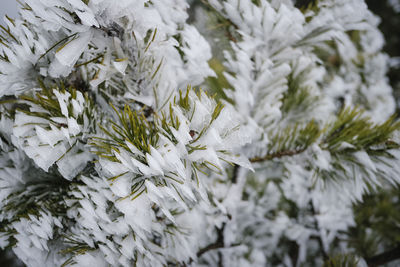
point(345, 260)
point(290, 141)
point(159, 140)
point(224, 21)
point(350, 127)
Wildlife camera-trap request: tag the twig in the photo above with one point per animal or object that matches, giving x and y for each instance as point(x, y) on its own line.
point(235, 173)
point(320, 243)
point(278, 154)
point(220, 259)
point(219, 243)
point(294, 253)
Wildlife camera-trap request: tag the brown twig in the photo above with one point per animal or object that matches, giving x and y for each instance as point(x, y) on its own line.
point(219, 243)
point(278, 154)
point(294, 252)
point(235, 173)
point(320, 243)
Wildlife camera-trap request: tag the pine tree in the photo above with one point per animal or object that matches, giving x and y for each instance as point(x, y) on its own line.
point(250, 133)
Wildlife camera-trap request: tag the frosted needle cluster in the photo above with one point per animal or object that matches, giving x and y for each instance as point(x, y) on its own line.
point(188, 133)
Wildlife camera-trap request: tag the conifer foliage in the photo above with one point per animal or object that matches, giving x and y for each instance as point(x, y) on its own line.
point(134, 135)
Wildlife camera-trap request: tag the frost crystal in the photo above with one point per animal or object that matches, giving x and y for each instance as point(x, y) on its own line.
point(106, 159)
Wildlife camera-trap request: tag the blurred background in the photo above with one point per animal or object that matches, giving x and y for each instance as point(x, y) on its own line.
point(8, 7)
point(379, 203)
point(389, 11)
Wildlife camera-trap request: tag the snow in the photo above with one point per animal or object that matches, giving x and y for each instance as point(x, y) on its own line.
point(161, 205)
